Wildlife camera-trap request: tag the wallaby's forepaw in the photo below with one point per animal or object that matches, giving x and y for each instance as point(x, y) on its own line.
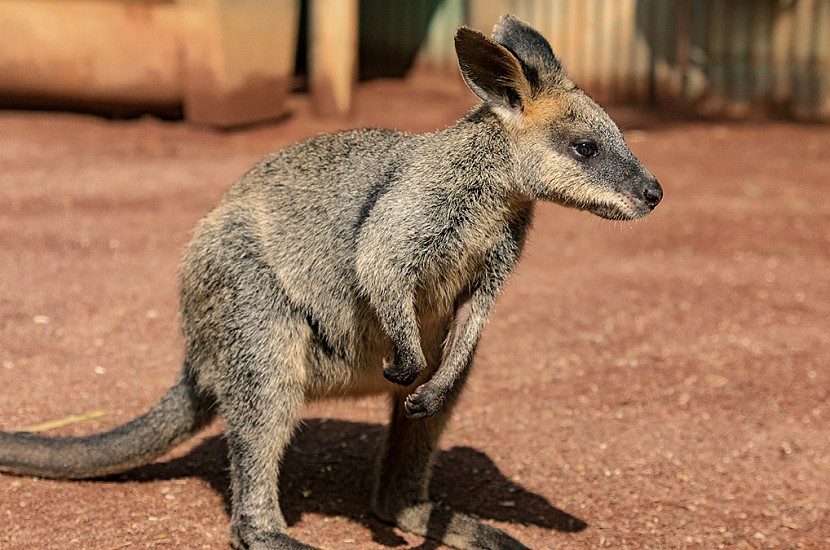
point(400, 376)
point(425, 401)
point(403, 373)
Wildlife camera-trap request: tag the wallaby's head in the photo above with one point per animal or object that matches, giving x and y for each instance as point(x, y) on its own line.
point(566, 148)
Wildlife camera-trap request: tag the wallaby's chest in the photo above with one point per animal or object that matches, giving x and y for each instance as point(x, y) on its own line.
point(464, 262)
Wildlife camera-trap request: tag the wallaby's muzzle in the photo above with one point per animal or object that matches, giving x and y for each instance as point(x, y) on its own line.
point(637, 200)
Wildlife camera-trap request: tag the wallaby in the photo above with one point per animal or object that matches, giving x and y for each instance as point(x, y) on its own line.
point(367, 262)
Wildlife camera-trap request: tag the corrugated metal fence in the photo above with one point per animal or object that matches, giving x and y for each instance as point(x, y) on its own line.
point(739, 58)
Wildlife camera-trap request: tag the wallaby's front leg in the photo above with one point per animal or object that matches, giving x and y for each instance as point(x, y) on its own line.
point(397, 313)
point(392, 297)
point(428, 398)
point(389, 284)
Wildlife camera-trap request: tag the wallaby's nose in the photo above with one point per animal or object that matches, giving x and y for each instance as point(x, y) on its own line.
point(652, 193)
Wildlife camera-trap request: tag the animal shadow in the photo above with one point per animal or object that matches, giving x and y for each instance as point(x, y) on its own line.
point(329, 469)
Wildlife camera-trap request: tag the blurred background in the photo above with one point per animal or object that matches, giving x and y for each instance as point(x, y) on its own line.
point(231, 62)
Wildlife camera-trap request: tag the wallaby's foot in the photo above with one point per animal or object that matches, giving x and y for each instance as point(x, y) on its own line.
point(456, 530)
point(247, 538)
point(401, 371)
point(425, 401)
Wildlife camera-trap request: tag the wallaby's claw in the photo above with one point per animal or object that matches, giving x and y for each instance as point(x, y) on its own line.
point(425, 401)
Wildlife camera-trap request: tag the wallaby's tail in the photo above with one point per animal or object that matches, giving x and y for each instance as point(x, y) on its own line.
point(179, 413)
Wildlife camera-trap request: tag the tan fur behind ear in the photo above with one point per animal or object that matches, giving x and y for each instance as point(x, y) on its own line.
point(546, 107)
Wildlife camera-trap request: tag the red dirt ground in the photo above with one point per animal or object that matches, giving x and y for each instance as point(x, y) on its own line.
point(665, 381)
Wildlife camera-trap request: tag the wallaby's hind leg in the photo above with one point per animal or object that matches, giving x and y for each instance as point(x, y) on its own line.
point(240, 328)
point(258, 432)
point(267, 358)
point(403, 478)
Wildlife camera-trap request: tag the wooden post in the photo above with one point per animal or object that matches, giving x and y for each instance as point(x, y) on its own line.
point(239, 59)
point(333, 55)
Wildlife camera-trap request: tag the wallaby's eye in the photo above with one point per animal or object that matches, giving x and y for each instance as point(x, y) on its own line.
point(585, 149)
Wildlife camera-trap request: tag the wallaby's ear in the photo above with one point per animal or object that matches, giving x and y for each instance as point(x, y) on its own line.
point(492, 72)
point(533, 51)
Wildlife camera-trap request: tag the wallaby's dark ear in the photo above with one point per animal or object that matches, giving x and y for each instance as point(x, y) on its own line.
point(491, 71)
point(532, 50)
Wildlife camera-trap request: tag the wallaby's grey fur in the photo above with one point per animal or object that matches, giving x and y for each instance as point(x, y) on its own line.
point(367, 262)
